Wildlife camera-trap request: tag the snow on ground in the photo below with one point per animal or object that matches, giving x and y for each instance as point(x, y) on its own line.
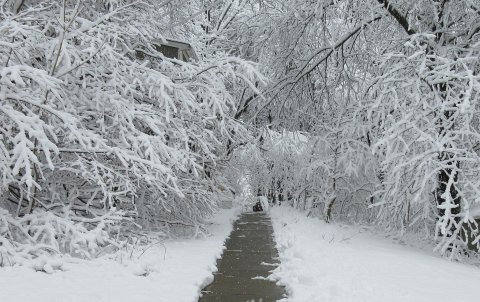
point(176, 273)
point(333, 263)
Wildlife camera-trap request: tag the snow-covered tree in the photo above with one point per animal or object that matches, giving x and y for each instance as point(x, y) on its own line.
point(94, 135)
point(392, 88)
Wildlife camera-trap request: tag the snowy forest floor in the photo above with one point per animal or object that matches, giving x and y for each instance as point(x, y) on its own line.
point(175, 271)
point(337, 263)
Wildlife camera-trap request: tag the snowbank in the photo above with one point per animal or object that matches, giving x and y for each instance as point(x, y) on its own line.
point(264, 202)
point(333, 263)
point(175, 272)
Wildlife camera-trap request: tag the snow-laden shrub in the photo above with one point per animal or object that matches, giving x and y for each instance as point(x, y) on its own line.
point(53, 232)
point(92, 137)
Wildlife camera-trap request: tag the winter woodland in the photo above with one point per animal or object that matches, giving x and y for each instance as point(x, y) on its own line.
point(359, 111)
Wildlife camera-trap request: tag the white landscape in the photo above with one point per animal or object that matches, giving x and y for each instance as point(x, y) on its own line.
point(175, 270)
point(339, 263)
point(239, 150)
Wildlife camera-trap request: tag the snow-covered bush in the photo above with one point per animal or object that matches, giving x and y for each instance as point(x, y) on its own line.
point(92, 138)
point(55, 232)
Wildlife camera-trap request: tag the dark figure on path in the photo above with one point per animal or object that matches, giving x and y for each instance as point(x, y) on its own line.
point(258, 207)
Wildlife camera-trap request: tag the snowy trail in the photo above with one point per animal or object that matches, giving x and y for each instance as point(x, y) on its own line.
point(175, 276)
point(332, 263)
point(246, 263)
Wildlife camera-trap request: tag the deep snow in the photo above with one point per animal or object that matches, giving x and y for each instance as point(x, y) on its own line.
point(333, 263)
point(176, 272)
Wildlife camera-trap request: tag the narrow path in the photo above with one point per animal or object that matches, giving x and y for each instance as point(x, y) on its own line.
point(250, 253)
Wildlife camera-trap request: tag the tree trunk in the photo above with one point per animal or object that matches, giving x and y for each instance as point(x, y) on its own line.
point(447, 180)
point(328, 210)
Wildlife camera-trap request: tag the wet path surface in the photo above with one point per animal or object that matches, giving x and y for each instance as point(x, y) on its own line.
point(250, 253)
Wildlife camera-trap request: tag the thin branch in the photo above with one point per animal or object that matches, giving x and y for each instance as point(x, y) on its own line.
point(303, 71)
